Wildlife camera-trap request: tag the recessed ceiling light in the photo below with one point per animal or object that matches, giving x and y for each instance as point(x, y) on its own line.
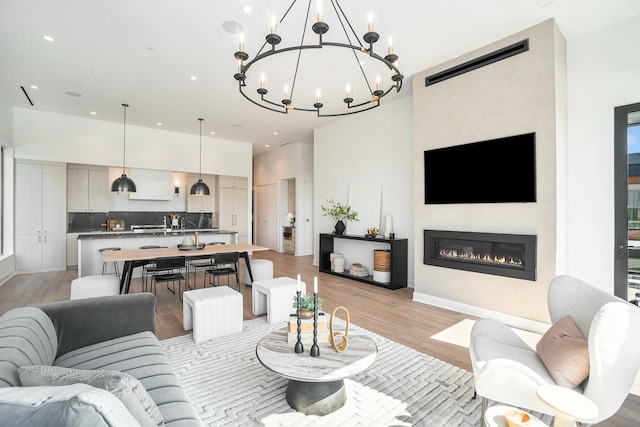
point(159, 124)
point(49, 38)
point(194, 78)
point(232, 27)
point(34, 87)
point(361, 62)
point(247, 9)
point(213, 133)
point(93, 113)
point(267, 146)
point(74, 94)
point(275, 133)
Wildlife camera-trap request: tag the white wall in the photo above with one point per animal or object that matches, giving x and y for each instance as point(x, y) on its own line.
point(376, 146)
point(46, 136)
point(603, 73)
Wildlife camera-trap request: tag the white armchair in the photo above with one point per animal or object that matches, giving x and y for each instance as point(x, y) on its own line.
point(507, 370)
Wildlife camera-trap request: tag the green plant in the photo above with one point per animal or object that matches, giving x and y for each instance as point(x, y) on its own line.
point(339, 212)
point(306, 302)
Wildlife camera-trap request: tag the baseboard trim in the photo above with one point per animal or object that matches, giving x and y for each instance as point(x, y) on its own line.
point(508, 319)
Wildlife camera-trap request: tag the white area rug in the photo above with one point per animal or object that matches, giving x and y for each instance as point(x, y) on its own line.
point(228, 386)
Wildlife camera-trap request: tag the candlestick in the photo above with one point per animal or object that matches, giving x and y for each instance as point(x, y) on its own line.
point(299, 348)
point(315, 350)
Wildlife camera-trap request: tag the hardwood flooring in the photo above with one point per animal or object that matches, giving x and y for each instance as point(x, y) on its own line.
point(389, 313)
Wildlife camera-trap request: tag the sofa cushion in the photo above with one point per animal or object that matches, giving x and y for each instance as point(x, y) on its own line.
point(27, 337)
point(125, 387)
point(141, 356)
point(565, 353)
point(77, 405)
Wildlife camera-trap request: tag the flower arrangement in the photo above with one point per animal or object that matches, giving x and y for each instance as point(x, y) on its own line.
point(306, 302)
point(339, 212)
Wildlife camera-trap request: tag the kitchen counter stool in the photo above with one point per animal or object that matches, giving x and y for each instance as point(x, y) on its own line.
point(105, 266)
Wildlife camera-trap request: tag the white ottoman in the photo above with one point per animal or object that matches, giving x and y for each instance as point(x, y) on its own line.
point(212, 312)
point(275, 297)
point(94, 286)
point(261, 269)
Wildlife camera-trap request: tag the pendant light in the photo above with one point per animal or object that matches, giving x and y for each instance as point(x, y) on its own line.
point(124, 184)
point(200, 188)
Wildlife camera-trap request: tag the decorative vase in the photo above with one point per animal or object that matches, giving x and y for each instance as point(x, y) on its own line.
point(306, 314)
point(339, 228)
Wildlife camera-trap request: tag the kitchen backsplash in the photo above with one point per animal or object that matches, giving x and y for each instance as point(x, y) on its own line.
point(83, 222)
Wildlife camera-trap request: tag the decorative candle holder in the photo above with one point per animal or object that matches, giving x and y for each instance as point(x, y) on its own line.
point(315, 350)
point(299, 348)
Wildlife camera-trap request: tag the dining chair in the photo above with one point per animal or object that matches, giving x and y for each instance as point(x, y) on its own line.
point(169, 270)
point(199, 263)
point(224, 264)
point(149, 267)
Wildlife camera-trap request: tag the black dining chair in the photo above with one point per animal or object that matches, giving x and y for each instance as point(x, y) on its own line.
point(149, 267)
point(198, 263)
point(224, 264)
point(169, 270)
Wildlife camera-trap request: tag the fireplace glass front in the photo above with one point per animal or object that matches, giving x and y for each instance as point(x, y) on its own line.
point(510, 255)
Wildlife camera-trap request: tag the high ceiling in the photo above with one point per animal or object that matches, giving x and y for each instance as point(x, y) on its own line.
point(147, 53)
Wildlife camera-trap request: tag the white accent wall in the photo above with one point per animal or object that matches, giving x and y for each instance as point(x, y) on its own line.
point(376, 146)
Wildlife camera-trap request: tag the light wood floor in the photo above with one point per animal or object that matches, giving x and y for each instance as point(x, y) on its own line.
point(389, 313)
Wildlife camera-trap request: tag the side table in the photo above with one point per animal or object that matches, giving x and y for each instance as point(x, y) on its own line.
point(494, 417)
point(567, 405)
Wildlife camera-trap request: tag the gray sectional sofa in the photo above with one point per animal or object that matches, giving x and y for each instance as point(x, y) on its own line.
point(114, 333)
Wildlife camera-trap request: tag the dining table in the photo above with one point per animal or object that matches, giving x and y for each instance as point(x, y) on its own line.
point(133, 258)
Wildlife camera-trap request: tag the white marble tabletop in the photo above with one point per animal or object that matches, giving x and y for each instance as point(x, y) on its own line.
point(277, 355)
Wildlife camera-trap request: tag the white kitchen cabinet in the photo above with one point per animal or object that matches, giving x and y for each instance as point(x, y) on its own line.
point(233, 206)
point(41, 216)
point(87, 190)
point(199, 204)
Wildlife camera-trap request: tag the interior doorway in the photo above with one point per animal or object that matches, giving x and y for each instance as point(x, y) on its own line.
point(267, 216)
point(627, 202)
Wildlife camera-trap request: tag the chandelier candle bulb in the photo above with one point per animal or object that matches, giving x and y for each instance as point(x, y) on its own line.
point(274, 23)
point(390, 48)
point(370, 23)
point(319, 10)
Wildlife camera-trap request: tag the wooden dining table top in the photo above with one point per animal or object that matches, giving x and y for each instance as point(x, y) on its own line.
point(154, 253)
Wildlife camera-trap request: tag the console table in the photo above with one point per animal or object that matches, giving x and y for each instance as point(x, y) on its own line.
point(399, 254)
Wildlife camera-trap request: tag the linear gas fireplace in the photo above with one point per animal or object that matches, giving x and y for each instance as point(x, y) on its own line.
point(510, 255)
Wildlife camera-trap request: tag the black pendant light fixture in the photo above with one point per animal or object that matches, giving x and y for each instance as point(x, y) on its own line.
point(124, 184)
point(200, 188)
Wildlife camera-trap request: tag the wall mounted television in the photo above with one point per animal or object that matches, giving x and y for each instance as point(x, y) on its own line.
point(499, 170)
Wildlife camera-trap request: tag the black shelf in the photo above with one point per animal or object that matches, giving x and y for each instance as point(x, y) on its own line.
point(399, 257)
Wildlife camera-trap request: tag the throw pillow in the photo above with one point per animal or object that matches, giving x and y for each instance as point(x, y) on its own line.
point(124, 386)
point(565, 353)
point(73, 405)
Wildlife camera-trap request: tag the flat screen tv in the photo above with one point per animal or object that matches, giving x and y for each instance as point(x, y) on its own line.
point(500, 170)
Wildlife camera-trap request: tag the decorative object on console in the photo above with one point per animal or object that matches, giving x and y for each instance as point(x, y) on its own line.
point(344, 342)
point(388, 226)
point(367, 69)
point(372, 233)
point(358, 270)
point(200, 188)
point(339, 213)
point(124, 184)
point(382, 265)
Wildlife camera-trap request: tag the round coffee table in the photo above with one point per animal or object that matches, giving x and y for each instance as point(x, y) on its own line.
point(316, 384)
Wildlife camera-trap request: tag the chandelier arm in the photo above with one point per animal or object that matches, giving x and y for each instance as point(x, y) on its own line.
point(287, 12)
point(295, 74)
point(377, 104)
point(282, 110)
point(334, 4)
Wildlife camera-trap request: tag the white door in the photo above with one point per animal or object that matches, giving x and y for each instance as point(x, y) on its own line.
point(267, 230)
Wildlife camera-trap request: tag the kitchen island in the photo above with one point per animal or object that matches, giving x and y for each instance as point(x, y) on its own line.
point(89, 245)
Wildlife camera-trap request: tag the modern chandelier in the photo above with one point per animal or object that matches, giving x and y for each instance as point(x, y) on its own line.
point(371, 88)
point(124, 184)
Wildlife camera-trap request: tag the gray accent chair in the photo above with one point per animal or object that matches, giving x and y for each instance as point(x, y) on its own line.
point(507, 370)
point(112, 333)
